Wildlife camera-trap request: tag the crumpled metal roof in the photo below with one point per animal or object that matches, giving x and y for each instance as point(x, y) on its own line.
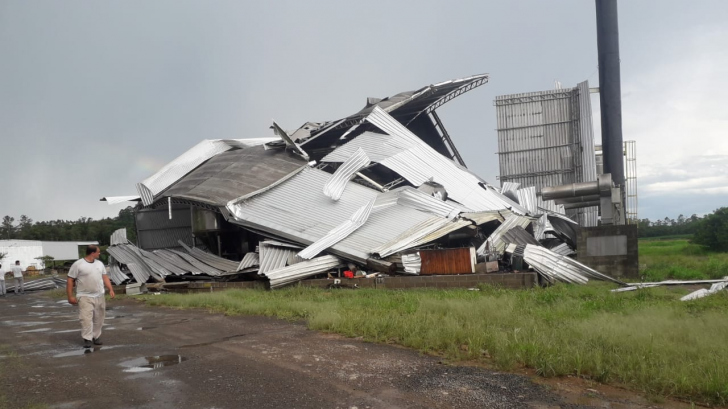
point(233, 174)
point(555, 267)
point(409, 107)
point(188, 161)
point(495, 240)
point(286, 212)
point(341, 177)
point(418, 163)
point(275, 255)
point(304, 269)
point(340, 232)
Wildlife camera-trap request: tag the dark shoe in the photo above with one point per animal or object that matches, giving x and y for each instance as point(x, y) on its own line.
point(87, 343)
point(98, 342)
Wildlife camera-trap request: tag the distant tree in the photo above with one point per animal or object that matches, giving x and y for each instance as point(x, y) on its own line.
point(25, 224)
point(713, 231)
point(681, 220)
point(7, 228)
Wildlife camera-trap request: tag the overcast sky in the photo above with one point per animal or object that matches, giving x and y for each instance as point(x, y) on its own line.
point(97, 95)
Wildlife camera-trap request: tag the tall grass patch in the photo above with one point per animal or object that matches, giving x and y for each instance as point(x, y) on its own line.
point(679, 259)
point(647, 339)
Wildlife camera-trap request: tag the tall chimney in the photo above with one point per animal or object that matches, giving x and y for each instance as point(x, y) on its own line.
point(610, 89)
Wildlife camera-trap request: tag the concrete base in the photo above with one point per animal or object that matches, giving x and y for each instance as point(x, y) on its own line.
point(611, 250)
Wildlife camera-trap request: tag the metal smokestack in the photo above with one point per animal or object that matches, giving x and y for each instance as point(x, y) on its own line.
point(610, 89)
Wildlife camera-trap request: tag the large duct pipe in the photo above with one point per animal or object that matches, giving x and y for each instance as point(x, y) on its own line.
point(610, 89)
point(580, 199)
point(570, 190)
point(580, 205)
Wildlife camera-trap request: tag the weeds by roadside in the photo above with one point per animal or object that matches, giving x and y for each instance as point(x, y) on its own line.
point(646, 339)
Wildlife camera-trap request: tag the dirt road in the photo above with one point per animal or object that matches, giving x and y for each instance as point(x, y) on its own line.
point(163, 358)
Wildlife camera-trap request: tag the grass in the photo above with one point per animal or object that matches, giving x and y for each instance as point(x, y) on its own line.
point(646, 340)
point(662, 259)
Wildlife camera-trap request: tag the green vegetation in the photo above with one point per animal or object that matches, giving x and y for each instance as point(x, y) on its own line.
point(662, 259)
point(82, 229)
point(713, 231)
point(647, 340)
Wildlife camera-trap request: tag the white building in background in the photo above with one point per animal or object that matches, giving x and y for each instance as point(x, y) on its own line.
point(27, 251)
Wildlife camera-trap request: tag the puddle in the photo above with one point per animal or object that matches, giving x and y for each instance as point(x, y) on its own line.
point(63, 302)
point(149, 363)
point(35, 330)
point(84, 351)
point(114, 317)
point(109, 328)
point(145, 328)
point(66, 331)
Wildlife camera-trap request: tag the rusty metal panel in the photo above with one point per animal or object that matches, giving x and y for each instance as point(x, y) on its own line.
point(448, 261)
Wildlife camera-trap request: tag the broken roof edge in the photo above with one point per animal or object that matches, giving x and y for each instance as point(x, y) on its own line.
point(468, 84)
point(188, 161)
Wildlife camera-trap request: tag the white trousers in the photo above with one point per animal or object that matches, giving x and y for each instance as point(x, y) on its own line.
point(91, 312)
point(2, 287)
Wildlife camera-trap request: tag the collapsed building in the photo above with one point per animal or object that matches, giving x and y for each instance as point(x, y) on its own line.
point(383, 191)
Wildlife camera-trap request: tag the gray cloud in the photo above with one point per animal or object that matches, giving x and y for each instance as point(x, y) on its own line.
point(95, 96)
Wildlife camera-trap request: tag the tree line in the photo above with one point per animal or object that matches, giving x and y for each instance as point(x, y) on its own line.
point(710, 231)
point(83, 229)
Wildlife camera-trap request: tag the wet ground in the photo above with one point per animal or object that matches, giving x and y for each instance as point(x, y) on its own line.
point(163, 358)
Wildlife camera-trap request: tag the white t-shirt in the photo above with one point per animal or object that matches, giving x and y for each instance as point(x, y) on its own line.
point(89, 278)
point(17, 272)
point(2, 274)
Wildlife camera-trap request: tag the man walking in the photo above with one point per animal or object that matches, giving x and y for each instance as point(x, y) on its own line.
point(89, 275)
point(2, 281)
point(18, 274)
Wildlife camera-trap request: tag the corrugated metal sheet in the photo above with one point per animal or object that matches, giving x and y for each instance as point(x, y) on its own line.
point(185, 163)
point(555, 267)
point(339, 232)
point(118, 237)
point(212, 260)
point(141, 275)
point(447, 261)
point(510, 187)
point(704, 293)
point(377, 146)
point(123, 254)
point(527, 198)
point(250, 259)
point(495, 241)
point(420, 163)
point(412, 263)
point(563, 249)
point(334, 188)
point(203, 268)
point(115, 274)
point(234, 174)
point(299, 271)
point(273, 256)
point(420, 233)
point(416, 199)
point(286, 212)
point(519, 236)
point(546, 139)
point(484, 217)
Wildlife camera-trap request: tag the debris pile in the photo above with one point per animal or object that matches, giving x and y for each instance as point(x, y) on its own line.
point(384, 190)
